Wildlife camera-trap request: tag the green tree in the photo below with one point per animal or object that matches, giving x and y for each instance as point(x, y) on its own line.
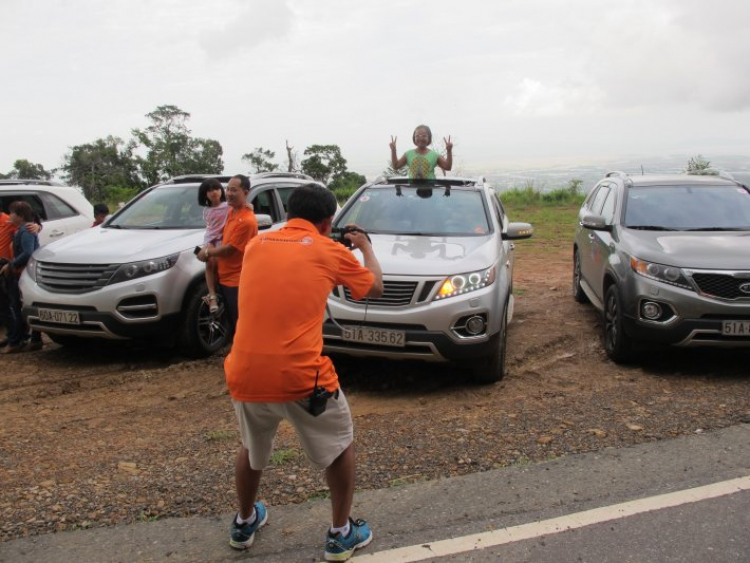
point(260, 160)
point(102, 164)
point(324, 162)
point(171, 151)
point(22, 168)
point(697, 163)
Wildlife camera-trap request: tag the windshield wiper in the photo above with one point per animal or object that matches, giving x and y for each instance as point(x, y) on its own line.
point(650, 228)
point(720, 229)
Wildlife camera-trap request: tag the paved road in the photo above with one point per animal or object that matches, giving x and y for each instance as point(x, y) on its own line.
point(500, 502)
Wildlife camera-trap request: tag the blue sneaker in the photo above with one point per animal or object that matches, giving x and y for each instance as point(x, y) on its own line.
point(242, 536)
point(341, 548)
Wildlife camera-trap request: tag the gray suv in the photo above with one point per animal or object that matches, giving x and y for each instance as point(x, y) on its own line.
point(446, 251)
point(666, 260)
point(136, 277)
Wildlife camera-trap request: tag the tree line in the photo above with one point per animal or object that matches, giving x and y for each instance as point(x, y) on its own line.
point(113, 169)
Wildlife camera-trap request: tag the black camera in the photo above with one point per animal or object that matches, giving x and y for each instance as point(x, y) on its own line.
point(337, 234)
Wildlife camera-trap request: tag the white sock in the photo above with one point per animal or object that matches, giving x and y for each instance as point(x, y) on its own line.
point(344, 530)
point(249, 520)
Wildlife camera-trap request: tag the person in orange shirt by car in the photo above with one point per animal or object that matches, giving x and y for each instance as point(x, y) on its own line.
point(240, 228)
point(275, 370)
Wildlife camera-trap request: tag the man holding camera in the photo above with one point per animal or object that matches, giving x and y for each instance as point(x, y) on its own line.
point(275, 370)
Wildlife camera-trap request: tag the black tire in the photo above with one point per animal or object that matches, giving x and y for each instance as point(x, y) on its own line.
point(578, 293)
point(202, 334)
point(493, 368)
point(69, 340)
point(617, 344)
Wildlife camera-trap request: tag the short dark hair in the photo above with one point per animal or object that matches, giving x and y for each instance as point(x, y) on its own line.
point(23, 210)
point(244, 181)
point(101, 209)
point(311, 202)
point(426, 128)
point(207, 186)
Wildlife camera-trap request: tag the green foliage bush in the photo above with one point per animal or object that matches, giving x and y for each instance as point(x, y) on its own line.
point(572, 194)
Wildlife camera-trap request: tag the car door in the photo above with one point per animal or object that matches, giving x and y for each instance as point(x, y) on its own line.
point(601, 242)
point(585, 240)
point(62, 220)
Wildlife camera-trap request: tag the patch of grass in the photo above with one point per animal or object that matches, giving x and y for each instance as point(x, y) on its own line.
point(146, 516)
point(407, 480)
point(280, 457)
point(319, 495)
point(554, 226)
point(216, 435)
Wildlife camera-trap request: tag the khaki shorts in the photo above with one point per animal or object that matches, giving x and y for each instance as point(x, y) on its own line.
point(323, 437)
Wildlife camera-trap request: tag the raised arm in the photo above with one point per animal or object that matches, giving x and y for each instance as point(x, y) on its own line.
point(396, 162)
point(446, 162)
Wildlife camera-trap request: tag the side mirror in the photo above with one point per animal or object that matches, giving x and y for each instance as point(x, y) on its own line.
point(264, 221)
point(595, 223)
point(518, 231)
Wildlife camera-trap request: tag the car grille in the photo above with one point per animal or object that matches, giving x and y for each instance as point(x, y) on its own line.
point(395, 294)
point(73, 278)
point(723, 286)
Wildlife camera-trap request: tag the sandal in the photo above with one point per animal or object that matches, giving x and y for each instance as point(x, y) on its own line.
point(212, 300)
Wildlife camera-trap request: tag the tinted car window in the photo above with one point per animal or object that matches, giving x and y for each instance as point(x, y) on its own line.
point(56, 208)
point(598, 201)
point(284, 193)
point(688, 207)
point(426, 211)
point(31, 199)
point(608, 209)
point(265, 203)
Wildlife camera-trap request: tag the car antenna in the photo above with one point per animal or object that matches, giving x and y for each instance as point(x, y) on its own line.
point(642, 174)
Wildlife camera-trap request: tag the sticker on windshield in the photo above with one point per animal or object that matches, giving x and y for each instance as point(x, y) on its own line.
point(364, 198)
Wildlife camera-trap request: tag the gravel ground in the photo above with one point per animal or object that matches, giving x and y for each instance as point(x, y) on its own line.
point(106, 435)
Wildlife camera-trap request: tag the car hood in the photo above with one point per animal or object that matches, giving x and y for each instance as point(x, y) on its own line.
point(116, 246)
point(710, 250)
point(409, 255)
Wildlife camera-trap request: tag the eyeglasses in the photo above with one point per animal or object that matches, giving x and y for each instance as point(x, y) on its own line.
point(421, 136)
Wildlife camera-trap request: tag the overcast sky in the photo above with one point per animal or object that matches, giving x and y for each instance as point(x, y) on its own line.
point(512, 81)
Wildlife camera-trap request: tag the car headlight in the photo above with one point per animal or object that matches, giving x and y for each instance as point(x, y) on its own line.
point(465, 283)
point(31, 268)
point(659, 272)
point(133, 270)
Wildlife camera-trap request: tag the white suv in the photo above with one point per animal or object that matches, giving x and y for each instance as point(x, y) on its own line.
point(136, 277)
point(447, 258)
point(63, 210)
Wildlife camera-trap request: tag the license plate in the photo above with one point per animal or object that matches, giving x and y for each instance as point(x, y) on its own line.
point(59, 316)
point(377, 336)
point(736, 328)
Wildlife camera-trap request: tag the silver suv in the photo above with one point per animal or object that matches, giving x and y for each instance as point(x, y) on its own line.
point(447, 258)
point(136, 277)
point(63, 210)
point(665, 259)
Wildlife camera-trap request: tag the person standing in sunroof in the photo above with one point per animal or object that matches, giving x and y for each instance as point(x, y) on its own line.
point(422, 160)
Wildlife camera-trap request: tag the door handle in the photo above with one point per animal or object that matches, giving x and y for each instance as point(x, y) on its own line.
point(55, 234)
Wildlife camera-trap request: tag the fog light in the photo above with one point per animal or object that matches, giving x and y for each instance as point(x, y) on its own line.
point(651, 310)
point(475, 325)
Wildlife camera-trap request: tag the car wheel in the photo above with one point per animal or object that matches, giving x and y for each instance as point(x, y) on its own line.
point(493, 368)
point(617, 343)
point(203, 333)
point(578, 293)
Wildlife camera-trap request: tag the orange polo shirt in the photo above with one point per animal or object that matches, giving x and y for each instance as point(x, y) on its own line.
point(286, 278)
point(7, 230)
point(240, 227)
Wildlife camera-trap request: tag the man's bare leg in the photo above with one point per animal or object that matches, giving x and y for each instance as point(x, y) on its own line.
point(246, 481)
point(340, 479)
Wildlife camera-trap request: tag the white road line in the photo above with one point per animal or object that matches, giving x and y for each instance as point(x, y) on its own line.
point(484, 540)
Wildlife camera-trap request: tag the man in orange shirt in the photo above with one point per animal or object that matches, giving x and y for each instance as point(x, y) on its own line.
point(276, 363)
point(241, 226)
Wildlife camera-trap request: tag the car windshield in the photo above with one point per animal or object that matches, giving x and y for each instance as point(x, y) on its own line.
point(688, 208)
point(411, 210)
point(165, 207)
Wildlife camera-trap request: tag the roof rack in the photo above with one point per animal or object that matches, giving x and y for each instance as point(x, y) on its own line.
point(298, 175)
point(24, 181)
point(189, 178)
point(618, 173)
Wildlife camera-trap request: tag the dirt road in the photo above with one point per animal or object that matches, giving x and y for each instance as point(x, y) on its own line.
point(103, 435)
